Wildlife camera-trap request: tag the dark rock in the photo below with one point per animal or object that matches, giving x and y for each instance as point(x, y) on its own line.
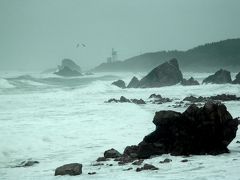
point(97, 164)
point(125, 160)
point(27, 163)
point(184, 160)
point(221, 97)
point(134, 83)
point(138, 101)
point(119, 83)
point(69, 169)
point(166, 161)
point(112, 153)
point(166, 74)
point(238, 142)
point(206, 130)
point(190, 82)
point(128, 169)
point(92, 173)
point(237, 79)
point(138, 162)
point(100, 159)
point(158, 99)
point(147, 167)
point(124, 100)
point(220, 77)
point(131, 151)
point(68, 68)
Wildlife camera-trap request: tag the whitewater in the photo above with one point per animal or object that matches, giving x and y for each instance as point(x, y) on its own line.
point(57, 120)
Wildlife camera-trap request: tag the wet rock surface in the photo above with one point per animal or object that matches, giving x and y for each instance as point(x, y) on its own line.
point(27, 163)
point(120, 84)
point(112, 153)
point(147, 167)
point(220, 77)
point(134, 83)
point(158, 99)
point(221, 97)
point(190, 82)
point(72, 169)
point(126, 100)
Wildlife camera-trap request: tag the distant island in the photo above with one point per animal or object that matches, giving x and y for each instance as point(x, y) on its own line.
point(205, 58)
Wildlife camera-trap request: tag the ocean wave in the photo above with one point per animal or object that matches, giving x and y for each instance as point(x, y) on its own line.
point(4, 84)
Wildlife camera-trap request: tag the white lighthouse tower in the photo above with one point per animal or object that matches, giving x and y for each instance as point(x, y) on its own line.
point(114, 55)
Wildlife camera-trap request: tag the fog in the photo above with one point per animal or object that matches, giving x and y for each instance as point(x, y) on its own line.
point(36, 35)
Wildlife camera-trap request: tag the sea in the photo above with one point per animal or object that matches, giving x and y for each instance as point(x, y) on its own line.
point(57, 120)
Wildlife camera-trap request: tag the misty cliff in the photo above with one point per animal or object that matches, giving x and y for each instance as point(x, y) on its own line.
point(208, 57)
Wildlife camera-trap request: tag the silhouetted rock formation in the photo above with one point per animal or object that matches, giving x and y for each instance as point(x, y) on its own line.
point(221, 97)
point(158, 99)
point(190, 82)
point(69, 169)
point(206, 130)
point(112, 153)
point(68, 68)
point(237, 79)
point(134, 83)
point(220, 77)
point(166, 74)
point(126, 100)
point(147, 167)
point(119, 83)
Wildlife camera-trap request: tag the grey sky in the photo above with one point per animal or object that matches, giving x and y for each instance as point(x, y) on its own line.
point(37, 34)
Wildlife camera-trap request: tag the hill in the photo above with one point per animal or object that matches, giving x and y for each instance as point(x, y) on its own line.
point(204, 58)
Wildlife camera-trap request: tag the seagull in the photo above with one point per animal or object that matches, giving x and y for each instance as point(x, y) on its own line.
point(77, 46)
point(83, 45)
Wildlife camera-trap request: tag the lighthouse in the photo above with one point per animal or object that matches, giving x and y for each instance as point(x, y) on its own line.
point(113, 57)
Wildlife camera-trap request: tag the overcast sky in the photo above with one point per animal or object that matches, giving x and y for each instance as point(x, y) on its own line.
point(37, 34)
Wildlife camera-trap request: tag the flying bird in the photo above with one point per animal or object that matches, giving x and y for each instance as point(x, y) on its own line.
point(83, 45)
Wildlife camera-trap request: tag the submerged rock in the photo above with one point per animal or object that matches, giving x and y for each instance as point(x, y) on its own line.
point(237, 79)
point(134, 83)
point(27, 163)
point(166, 74)
point(72, 169)
point(126, 100)
point(147, 167)
point(220, 77)
point(119, 83)
point(158, 99)
point(190, 82)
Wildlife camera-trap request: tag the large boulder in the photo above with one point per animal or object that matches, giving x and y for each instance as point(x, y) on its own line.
point(206, 130)
point(119, 83)
point(189, 82)
point(112, 153)
point(237, 79)
point(134, 83)
point(68, 68)
point(166, 74)
point(220, 77)
point(72, 169)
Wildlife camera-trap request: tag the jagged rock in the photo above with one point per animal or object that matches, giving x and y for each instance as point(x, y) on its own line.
point(147, 167)
point(158, 99)
point(69, 169)
point(134, 83)
point(131, 151)
point(124, 160)
point(119, 83)
point(124, 100)
point(166, 74)
point(220, 77)
point(221, 97)
point(138, 101)
point(27, 163)
point(97, 164)
point(68, 68)
point(166, 161)
point(184, 160)
point(237, 79)
point(206, 130)
point(190, 82)
point(112, 153)
point(128, 169)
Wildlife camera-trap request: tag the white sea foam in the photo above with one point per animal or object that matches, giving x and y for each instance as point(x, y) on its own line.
point(69, 124)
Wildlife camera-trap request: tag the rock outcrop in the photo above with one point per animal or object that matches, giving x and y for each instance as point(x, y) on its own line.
point(158, 99)
point(119, 83)
point(68, 68)
point(27, 163)
point(126, 100)
point(166, 74)
point(237, 79)
point(189, 82)
point(221, 97)
point(72, 169)
point(206, 130)
point(134, 83)
point(220, 77)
